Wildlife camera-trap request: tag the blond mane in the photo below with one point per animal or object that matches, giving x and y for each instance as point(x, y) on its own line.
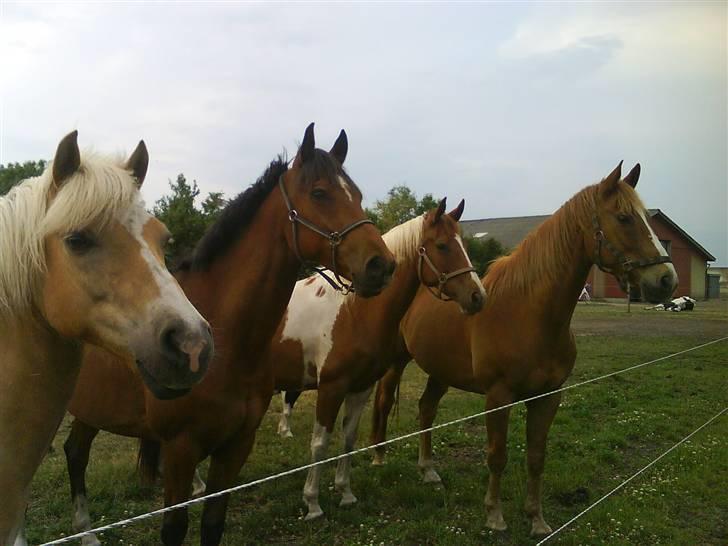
point(543, 256)
point(93, 195)
point(404, 240)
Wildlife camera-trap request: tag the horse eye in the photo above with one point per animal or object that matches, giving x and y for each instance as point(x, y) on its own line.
point(79, 242)
point(624, 219)
point(318, 193)
point(442, 247)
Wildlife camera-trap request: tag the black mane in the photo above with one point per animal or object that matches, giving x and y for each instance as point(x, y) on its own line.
point(239, 212)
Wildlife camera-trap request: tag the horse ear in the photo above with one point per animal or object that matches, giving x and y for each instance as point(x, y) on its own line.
point(138, 163)
point(633, 176)
point(305, 152)
point(440, 210)
point(340, 147)
point(609, 184)
point(457, 212)
point(67, 159)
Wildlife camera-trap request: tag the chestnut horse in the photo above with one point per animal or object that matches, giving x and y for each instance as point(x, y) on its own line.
point(241, 276)
point(81, 261)
point(521, 345)
point(347, 348)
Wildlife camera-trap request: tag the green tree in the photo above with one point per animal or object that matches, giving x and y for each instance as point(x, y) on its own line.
point(400, 205)
point(483, 251)
point(185, 221)
point(12, 173)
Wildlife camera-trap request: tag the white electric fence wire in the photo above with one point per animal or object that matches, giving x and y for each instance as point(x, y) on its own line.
point(632, 477)
point(160, 511)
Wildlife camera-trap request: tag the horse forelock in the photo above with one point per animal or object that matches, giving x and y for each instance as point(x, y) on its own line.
point(100, 190)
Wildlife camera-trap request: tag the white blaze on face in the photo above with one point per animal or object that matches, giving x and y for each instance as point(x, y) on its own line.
point(656, 242)
point(310, 320)
point(345, 186)
point(473, 275)
point(171, 297)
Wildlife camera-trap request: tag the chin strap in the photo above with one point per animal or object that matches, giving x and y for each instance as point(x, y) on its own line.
point(442, 278)
point(334, 237)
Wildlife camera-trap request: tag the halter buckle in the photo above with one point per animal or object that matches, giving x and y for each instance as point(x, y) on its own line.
point(599, 235)
point(335, 238)
point(292, 215)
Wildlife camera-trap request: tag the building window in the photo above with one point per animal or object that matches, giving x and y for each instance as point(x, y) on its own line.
point(668, 246)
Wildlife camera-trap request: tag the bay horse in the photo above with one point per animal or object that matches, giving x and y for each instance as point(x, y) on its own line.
point(81, 261)
point(341, 345)
point(521, 344)
point(241, 276)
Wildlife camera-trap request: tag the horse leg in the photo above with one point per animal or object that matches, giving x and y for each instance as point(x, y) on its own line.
point(20, 539)
point(77, 448)
point(288, 399)
point(198, 485)
point(180, 458)
point(434, 391)
point(540, 415)
point(497, 427)
point(327, 408)
point(383, 401)
point(354, 407)
point(225, 465)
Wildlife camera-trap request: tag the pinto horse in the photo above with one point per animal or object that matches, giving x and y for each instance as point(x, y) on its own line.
point(81, 261)
point(241, 276)
point(521, 345)
point(346, 349)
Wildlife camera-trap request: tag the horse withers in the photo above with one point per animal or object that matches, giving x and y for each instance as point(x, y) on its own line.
point(241, 276)
point(81, 261)
point(521, 344)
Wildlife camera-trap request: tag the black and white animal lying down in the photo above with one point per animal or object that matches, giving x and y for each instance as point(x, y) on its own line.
point(684, 303)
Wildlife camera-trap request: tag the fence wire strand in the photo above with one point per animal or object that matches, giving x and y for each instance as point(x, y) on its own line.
point(632, 477)
point(198, 500)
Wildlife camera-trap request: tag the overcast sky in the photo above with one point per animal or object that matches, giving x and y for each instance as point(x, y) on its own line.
point(513, 106)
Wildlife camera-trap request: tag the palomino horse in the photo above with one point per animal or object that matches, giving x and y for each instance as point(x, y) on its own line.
point(81, 261)
point(521, 344)
point(241, 276)
point(348, 347)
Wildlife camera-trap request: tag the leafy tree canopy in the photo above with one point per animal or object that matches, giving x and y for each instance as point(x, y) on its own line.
point(183, 218)
point(12, 173)
point(400, 205)
point(483, 251)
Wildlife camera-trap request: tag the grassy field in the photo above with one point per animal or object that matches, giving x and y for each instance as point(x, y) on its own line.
point(603, 432)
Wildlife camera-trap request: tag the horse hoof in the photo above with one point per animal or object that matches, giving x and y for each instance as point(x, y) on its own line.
point(314, 514)
point(348, 499)
point(378, 460)
point(90, 540)
point(430, 476)
point(540, 528)
point(496, 522)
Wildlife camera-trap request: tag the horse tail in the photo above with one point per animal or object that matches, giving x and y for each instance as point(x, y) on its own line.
point(148, 461)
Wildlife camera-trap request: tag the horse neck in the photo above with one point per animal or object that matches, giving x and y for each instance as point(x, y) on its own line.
point(564, 264)
point(244, 293)
point(387, 310)
point(38, 371)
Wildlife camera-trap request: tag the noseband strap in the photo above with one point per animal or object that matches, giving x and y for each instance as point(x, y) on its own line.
point(623, 262)
point(442, 278)
point(334, 237)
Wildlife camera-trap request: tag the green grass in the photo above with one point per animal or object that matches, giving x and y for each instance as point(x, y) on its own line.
point(603, 433)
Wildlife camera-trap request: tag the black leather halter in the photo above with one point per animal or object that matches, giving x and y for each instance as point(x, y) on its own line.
point(442, 278)
point(334, 237)
point(624, 263)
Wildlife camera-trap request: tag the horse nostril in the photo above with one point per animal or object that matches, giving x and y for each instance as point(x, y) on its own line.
point(477, 299)
point(169, 339)
point(666, 281)
point(376, 267)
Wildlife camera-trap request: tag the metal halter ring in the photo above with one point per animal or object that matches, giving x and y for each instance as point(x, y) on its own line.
point(442, 278)
point(334, 237)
